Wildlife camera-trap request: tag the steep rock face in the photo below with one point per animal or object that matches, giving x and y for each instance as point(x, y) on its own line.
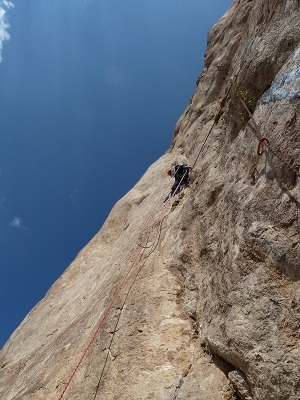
point(198, 298)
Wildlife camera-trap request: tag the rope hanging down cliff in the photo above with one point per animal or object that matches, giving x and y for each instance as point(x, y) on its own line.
point(153, 247)
point(263, 142)
point(100, 323)
point(217, 117)
point(138, 256)
point(135, 261)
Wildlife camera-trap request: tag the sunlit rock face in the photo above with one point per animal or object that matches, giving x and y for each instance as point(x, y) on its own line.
point(197, 299)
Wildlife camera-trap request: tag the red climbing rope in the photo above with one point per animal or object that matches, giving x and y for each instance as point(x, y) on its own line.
point(153, 247)
point(109, 307)
point(138, 256)
point(161, 215)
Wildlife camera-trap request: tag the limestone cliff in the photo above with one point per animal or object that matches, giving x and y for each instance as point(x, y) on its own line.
point(197, 299)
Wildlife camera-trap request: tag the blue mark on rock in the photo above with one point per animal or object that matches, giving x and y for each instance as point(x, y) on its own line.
point(284, 86)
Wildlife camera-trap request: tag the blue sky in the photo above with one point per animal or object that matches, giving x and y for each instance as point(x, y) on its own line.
point(90, 94)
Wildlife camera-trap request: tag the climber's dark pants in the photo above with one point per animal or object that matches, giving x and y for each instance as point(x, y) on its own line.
point(178, 185)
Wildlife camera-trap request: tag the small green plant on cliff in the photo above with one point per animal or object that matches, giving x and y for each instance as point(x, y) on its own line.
point(247, 99)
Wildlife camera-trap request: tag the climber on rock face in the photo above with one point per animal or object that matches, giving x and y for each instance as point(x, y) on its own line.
point(180, 172)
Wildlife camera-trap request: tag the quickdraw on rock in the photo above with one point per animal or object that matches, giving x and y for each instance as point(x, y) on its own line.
point(261, 147)
point(265, 143)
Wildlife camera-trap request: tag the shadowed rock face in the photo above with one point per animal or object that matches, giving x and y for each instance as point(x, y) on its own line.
point(210, 306)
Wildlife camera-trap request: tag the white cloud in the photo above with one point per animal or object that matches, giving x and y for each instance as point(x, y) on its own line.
point(17, 223)
point(7, 4)
point(4, 25)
